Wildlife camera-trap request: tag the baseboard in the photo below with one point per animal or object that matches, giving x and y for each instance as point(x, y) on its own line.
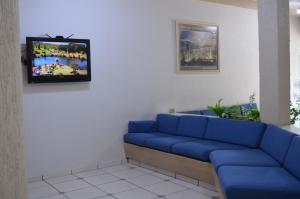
point(100, 165)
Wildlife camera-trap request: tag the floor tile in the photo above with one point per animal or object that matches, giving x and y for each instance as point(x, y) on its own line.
point(86, 193)
point(106, 197)
point(188, 194)
point(61, 179)
point(145, 180)
point(119, 168)
point(162, 176)
point(147, 171)
point(36, 184)
point(71, 185)
point(123, 181)
point(136, 194)
point(117, 187)
point(145, 166)
point(165, 172)
point(101, 179)
point(187, 179)
point(90, 173)
point(206, 191)
point(208, 186)
point(165, 188)
point(183, 183)
point(41, 191)
point(57, 196)
point(128, 173)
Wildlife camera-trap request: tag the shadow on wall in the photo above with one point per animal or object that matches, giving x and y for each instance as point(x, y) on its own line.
point(50, 87)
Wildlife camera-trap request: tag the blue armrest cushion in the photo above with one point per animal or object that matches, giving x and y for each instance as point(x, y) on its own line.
point(142, 126)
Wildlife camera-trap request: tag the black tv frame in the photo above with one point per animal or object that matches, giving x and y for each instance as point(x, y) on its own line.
point(56, 78)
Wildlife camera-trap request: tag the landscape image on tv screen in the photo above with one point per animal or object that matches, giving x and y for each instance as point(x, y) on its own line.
point(59, 59)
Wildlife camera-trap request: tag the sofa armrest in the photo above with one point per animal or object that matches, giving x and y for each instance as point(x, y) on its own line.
point(142, 126)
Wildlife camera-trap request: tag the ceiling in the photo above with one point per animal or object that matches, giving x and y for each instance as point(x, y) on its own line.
point(252, 4)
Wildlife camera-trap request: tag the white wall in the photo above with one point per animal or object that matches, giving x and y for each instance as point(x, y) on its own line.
point(74, 126)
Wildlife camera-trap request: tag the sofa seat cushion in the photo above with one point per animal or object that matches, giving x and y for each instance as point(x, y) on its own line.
point(235, 131)
point(165, 143)
point(140, 138)
point(246, 157)
point(200, 149)
point(241, 182)
point(192, 126)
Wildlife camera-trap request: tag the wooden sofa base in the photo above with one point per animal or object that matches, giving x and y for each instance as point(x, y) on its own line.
point(188, 167)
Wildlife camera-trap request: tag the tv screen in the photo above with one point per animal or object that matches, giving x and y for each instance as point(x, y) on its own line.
point(58, 60)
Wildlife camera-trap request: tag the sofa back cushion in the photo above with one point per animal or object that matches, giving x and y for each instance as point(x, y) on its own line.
point(167, 123)
point(195, 112)
point(208, 112)
point(192, 126)
point(292, 163)
point(235, 131)
point(142, 126)
point(276, 142)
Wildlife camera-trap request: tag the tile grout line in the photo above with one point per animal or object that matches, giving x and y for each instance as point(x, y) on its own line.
point(138, 186)
point(163, 180)
point(59, 192)
point(95, 186)
point(82, 179)
point(131, 166)
point(196, 185)
point(187, 188)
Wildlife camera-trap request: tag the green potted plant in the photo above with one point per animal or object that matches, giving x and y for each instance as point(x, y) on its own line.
point(295, 111)
point(234, 112)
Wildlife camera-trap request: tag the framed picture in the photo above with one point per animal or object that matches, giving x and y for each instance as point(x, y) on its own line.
point(197, 47)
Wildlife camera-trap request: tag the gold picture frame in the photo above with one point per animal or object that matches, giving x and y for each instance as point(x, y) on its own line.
point(197, 47)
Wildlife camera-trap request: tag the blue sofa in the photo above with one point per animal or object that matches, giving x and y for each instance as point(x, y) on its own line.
point(252, 160)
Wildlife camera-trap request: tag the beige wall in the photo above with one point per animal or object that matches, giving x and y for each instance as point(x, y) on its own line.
point(12, 178)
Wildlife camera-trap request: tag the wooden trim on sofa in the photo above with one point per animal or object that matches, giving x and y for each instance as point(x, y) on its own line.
point(188, 167)
point(218, 185)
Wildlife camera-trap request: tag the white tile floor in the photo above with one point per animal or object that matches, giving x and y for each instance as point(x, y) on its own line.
point(125, 181)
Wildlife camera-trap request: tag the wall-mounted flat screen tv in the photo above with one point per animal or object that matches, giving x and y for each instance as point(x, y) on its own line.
point(58, 60)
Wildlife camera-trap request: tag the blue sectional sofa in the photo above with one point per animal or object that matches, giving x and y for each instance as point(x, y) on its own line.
point(251, 160)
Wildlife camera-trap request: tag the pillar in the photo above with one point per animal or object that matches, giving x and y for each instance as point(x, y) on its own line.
point(12, 177)
point(274, 60)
